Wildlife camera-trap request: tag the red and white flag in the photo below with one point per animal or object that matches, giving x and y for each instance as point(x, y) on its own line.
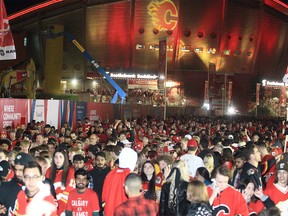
point(7, 47)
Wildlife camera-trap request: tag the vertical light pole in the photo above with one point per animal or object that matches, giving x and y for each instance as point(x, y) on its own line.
point(162, 70)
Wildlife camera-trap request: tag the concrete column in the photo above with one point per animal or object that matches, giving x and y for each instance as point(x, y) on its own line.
point(53, 62)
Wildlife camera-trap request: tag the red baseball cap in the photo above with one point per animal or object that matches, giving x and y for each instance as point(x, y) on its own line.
point(192, 143)
point(228, 164)
point(276, 151)
point(176, 139)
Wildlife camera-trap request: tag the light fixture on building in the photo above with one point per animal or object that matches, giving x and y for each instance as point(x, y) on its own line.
point(74, 82)
point(140, 47)
point(249, 53)
point(211, 51)
point(154, 47)
point(198, 50)
point(227, 52)
point(237, 53)
point(186, 48)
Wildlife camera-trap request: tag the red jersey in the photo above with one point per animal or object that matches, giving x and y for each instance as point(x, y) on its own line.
point(113, 193)
point(83, 203)
point(30, 206)
point(255, 207)
point(62, 192)
point(229, 202)
point(276, 193)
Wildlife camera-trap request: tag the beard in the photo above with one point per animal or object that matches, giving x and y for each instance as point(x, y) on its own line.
point(81, 186)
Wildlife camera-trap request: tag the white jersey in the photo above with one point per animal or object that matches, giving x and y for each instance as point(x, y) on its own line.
point(193, 162)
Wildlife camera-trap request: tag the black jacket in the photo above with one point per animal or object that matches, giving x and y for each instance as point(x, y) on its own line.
point(251, 172)
point(180, 204)
point(200, 208)
point(98, 177)
point(8, 194)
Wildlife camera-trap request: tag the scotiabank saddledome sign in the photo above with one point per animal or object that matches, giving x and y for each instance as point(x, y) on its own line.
point(164, 14)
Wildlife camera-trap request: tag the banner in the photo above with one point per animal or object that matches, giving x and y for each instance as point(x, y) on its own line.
point(81, 110)
point(162, 64)
point(229, 92)
point(13, 112)
point(257, 94)
point(7, 47)
point(206, 91)
point(142, 84)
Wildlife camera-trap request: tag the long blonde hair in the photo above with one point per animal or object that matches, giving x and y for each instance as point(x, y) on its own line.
point(209, 162)
point(197, 192)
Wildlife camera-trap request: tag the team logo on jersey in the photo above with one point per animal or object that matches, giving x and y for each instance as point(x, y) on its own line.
point(164, 14)
point(251, 172)
point(217, 210)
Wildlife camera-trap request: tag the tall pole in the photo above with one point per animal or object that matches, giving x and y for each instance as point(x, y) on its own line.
point(165, 91)
point(286, 135)
point(162, 71)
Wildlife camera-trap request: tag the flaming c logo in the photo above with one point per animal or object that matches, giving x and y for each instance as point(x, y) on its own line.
point(164, 14)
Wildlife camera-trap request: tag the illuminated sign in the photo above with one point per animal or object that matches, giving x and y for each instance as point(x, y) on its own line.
point(273, 83)
point(132, 76)
point(164, 14)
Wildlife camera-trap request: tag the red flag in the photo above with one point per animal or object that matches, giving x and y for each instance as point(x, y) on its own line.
point(7, 47)
point(257, 93)
point(229, 92)
point(206, 91)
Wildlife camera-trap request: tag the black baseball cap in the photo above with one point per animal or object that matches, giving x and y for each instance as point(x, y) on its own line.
point(23, 158)
point(4, 168)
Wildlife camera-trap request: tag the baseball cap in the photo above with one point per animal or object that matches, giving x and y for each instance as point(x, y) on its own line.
point(192, 143)
point(276, 151)
point(4, 168)
point(176, 139)
point(282, 165)
point(23, 158)
point(188, 136)
point(138, 146)
point(230, 136)
point(228, 164)
point(126, 142)
point(169, 148)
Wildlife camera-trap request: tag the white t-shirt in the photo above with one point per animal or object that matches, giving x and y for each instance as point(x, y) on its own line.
point(193, 162)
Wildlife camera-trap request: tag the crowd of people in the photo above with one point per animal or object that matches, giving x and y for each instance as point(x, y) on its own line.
point(145, 166)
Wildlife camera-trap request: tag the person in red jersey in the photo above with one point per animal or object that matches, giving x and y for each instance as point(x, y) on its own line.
point(250, 193)
point(136, 204)
point(278, 192)
point(225, 200)
point(62, 177)
point(82, 200)
point(113, 193)
point(36, 198)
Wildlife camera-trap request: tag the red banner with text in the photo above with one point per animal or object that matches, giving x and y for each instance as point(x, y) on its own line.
point(7, 47)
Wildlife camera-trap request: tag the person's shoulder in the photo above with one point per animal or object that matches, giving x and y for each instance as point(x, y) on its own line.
point(90, 192)
point(21, 193)
point(73, 192)
point(7, 185)
point(233, 191)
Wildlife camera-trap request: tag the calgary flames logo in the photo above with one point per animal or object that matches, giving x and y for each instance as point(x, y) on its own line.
point(164, 14)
